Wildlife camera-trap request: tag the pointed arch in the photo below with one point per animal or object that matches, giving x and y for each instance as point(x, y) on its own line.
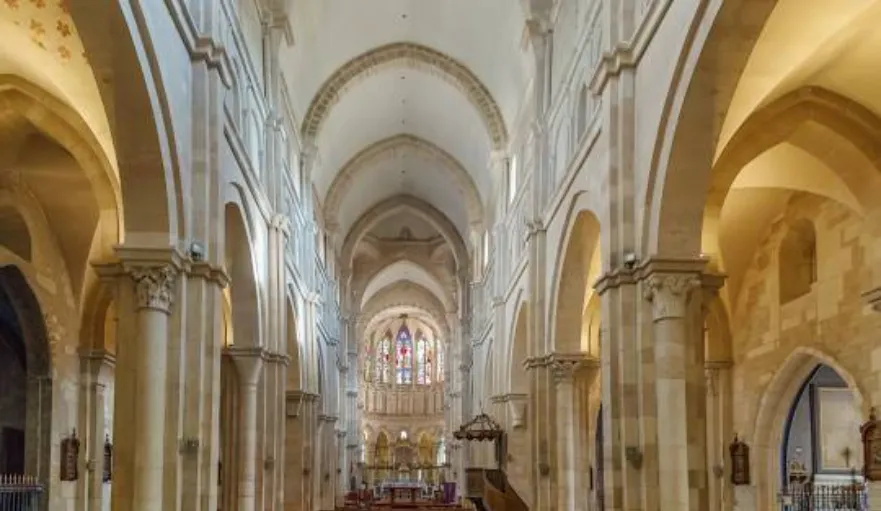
point(391, 147)
point(415, 56)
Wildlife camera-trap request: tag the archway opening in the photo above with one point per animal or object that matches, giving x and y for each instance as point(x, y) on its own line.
point(26, 386)
point(821, 450)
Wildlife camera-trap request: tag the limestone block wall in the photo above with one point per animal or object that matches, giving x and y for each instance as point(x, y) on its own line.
point(774, 344)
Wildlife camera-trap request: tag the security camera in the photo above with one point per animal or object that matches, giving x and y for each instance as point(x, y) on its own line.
point(630, 260)
point(197, 252)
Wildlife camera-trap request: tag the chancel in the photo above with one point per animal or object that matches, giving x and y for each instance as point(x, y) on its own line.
point(496, 255)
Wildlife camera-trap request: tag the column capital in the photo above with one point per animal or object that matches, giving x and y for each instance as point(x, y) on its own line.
point(341, 433)
point(248, 361)
point(100, 363)
point(669, 293)
point(154, 286)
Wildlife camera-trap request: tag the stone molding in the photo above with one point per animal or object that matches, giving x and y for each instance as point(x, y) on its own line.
point(352, 393)
point(101, 364)
point(329, 419)
point(563, 366)
point(873, 299)
point(273, 357)
point(413, 55)
point(341, 433)
point(294, 401)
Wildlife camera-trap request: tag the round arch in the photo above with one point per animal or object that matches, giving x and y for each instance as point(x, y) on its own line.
point(571, 280)
point(388, 148)
point(686, 146)
point(518, 381)
point(239, 262)
point(415, 56)
point(120, 52)
point(295, 378)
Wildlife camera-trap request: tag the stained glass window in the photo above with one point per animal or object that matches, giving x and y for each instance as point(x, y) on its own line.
point(404, 355)
point(383, 359)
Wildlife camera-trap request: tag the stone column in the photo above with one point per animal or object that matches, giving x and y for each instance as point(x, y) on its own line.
point(564, 371)
point(97, 369)
point(154, 290)
point(679, 387)
point(249, 365)
point(719, 434)
point(342, 466)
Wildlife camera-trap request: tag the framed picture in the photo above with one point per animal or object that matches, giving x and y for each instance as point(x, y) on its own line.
point(837, 426)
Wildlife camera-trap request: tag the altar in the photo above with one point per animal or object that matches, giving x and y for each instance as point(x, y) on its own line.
point(404, 492)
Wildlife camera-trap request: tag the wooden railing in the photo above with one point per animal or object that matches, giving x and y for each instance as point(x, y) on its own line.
point(20, 493)
point(489, 489)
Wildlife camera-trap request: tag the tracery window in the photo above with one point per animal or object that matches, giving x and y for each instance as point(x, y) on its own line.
point(404, 355)
point(424, 356)
point(383, 358)
point(404, 358)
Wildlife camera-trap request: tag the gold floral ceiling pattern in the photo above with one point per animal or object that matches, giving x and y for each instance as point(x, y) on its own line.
point(48, 24)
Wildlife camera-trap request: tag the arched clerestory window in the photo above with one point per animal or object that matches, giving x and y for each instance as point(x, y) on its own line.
point(797, 261)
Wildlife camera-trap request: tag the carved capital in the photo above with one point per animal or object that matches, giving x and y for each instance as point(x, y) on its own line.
point(564, 370)
point(669, 293)
point(154, 286)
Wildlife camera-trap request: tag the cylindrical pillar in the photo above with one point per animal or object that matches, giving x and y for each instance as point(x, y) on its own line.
point(682, 425)
point(154, 292)
point(567, 476)
point(249, 365)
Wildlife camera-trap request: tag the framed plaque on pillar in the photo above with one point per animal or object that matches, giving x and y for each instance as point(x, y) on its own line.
point(70, 453)
point(870, 432)
point(739, 462)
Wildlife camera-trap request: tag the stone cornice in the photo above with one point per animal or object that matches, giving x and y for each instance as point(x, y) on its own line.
point(298, 396)
point(509, 397)
point(558, 360)
point(278, 358)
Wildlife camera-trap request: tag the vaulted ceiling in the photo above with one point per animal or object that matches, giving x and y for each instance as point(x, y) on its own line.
point(409, 102)
point(443, 79)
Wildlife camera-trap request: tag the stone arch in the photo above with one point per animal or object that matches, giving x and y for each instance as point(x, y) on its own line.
point(243, 292)
point(518, 381)
point(65, 126)
point(389, 147)
point(119, 49)
point(23, 324)
point(405, 294)
point(415, 56)
point(427, 280)
point(294, 348)
point(418, 207)
point(692, 120)
point(773, 408)
point(571, 280)
point(775, 122)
